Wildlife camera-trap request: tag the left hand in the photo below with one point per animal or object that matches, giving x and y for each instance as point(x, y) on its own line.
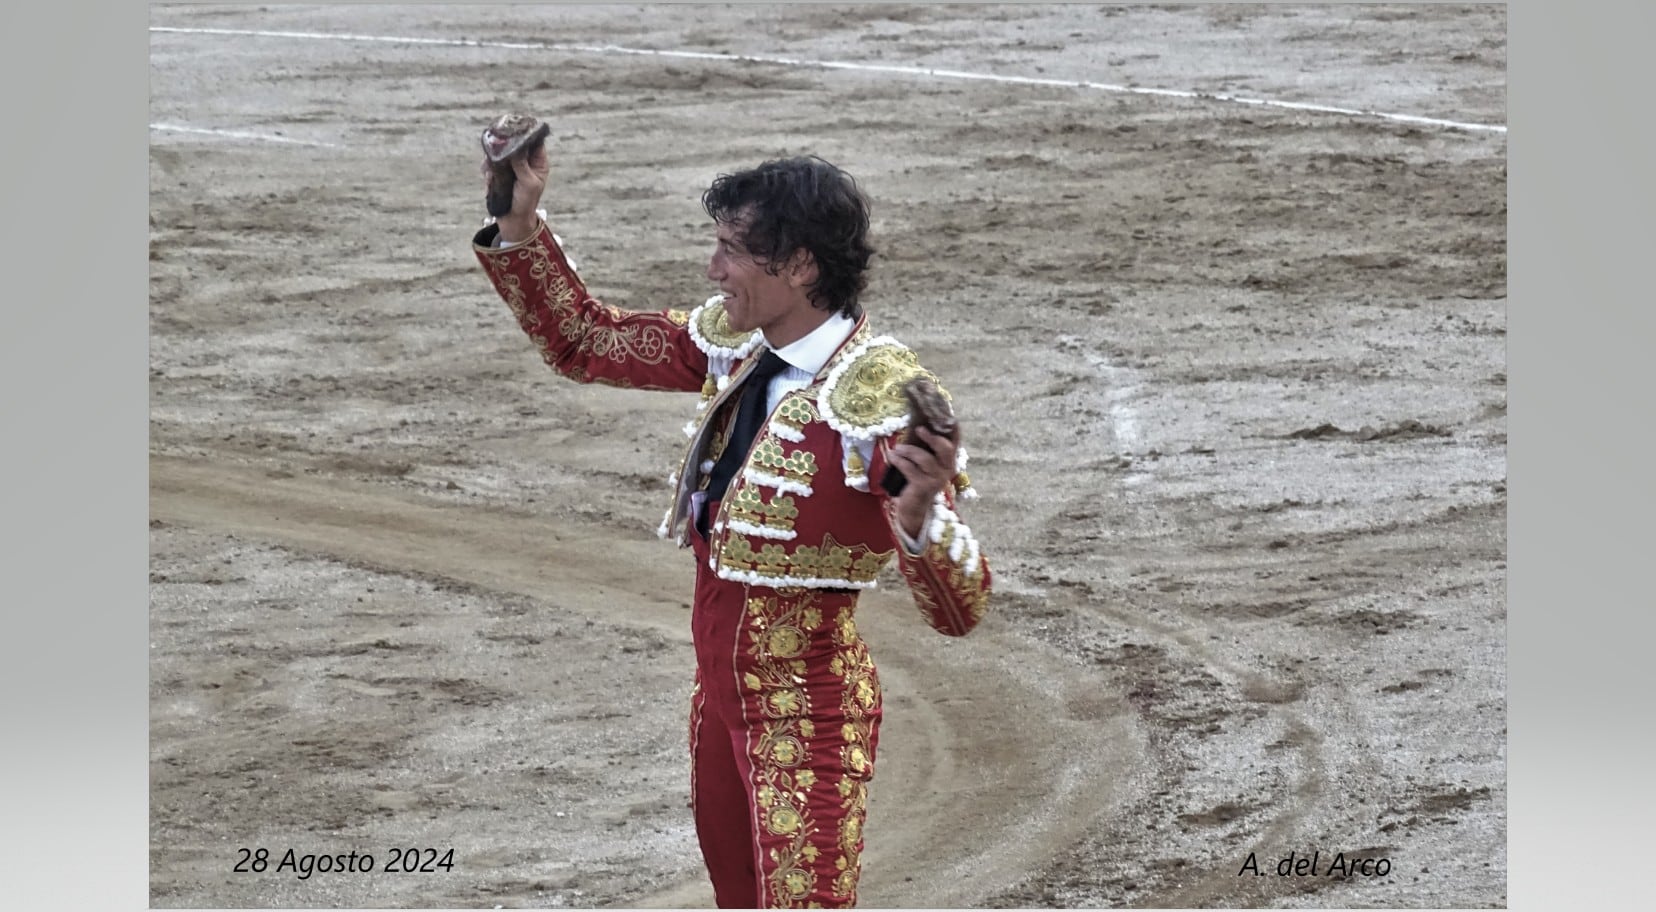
point(927, 473)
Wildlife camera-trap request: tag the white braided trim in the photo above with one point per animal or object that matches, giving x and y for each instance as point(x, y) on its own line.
point(962, 547)
point(934, 530)
point(787, 432)
point(777, 582)
point(720, 351)
point(661, 530)
point(967, 492)
point(888, 426)
point(690, 428)
point(941, 518)
point(780, 484)
point(746, 528)
point(857, 482)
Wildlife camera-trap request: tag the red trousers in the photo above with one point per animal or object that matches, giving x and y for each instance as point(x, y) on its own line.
point(784, 719)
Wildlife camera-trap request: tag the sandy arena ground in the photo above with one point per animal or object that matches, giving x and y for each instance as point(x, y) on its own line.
point(1233, 377)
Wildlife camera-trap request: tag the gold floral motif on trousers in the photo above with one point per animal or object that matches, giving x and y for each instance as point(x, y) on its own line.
point(788, 754)
point(779, 632)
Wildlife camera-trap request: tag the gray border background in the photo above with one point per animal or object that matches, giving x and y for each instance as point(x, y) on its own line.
point(1579, 324)
point(73, 352)
point(74, 413)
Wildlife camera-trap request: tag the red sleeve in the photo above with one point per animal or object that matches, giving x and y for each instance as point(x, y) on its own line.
point(581, 338)
point(950, 576)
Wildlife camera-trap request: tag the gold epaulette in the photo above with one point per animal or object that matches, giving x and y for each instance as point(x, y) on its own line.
point(710, 330)
point(862, 396)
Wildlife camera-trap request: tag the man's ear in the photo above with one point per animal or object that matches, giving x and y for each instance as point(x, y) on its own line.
point(802, 269)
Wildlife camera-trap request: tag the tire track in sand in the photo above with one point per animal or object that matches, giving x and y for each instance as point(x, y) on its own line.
point(978, 781)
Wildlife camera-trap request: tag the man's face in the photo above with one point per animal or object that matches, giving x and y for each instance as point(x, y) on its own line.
point(754, 299)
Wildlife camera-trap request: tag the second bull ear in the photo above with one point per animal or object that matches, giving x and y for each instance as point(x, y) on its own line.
point(510, 136)
point(930, 409)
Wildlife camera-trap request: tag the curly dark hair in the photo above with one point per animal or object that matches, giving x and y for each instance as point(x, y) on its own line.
point(796, 203)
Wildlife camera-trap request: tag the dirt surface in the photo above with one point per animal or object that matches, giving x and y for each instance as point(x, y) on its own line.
point(1233, 378)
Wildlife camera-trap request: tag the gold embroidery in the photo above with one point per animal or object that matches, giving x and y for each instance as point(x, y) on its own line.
point(854, 461)
point(555, 287)
point(849, 863)
point(785, 703)
point(940, 585)
point(748, 505)
point(859, 701)
point(870, 390)
point(768, 454)
point(772, 560)
point(807, 563)
point(964, 590)
point(836, 562)
point(856, 761)
point(798, 467)
point(868, 566)
point(644, 337)
point(830, 560)
point(787, 751)
point(781, 512)
point(795, 411)
point(678, 317)
point(512, 291)
point(786, 642)
point(927, 604)
point(714, 326)
point(784, 820)
point(737, 552)
point(797, 882)
point(777, 630)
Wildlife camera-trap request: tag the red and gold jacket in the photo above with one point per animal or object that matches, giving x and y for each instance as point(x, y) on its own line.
point(801, 512)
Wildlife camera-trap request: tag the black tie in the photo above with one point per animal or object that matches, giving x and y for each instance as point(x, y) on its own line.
point(750, 415)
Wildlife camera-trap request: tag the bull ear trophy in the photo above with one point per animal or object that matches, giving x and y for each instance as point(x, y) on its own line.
point(928, 409)
point(511, 136)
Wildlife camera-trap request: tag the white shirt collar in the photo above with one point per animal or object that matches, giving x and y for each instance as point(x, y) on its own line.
point(810, 352)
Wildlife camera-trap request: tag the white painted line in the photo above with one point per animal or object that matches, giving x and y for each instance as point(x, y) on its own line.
point(241, 134)
point(843, 65)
